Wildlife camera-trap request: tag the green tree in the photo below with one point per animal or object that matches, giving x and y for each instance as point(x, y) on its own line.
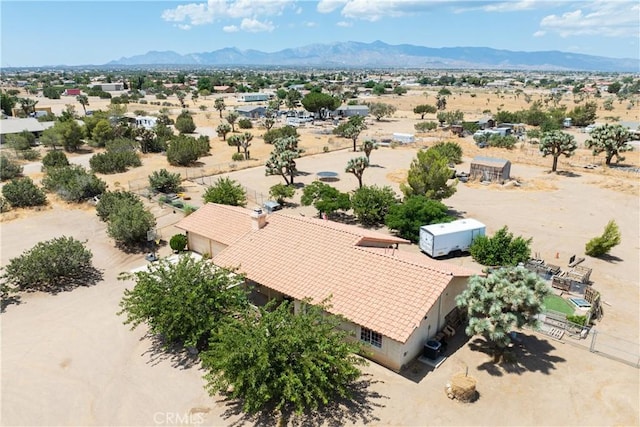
point(7, 102)
point(185, 123)
point(425, 126)
point(183, 302)
point(584, 115)
point(557, 143)
point(185, 150)
point(234, 141)
point(351, 129)
point(452, 151)
point(219, 105)
point(245, 143)
point(601, 245)
point(102, 132)
point(378, 89)
point(129, 222)
point(280, 192)
point(84, 101)
point(406, 218)
point(9, 169)
point(226, 191)
point(164, 181)
point(610, 139)
point(223, 129)
point(614, 87)
point(320, 103)
point(70, 134)
point(506, 299)
point(232, 117)
point(325, 198)
point(22, 192)
point(371, 204)
point(428, 176)
point(282, 160)
point(503, 249)
point(400, 90)
point(54, 159)
point(380, 110)
point(423, 109)
point(53, 265)
point(28, 105)
point(111, 162)
point(178, 242)
point(368, 146)
point(286, 131)
point(277, 358)
point(357, 167)
point(73, 183)
point(111, 201)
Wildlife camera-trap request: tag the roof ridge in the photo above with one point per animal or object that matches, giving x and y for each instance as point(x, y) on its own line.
point(403, 260)
point(343, 228)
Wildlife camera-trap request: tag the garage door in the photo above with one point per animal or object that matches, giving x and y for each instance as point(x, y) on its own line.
point(199, 244)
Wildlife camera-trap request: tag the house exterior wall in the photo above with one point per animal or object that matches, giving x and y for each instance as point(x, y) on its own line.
point(203, 245)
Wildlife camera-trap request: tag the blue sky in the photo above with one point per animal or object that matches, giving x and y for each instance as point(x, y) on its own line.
point(36, 33)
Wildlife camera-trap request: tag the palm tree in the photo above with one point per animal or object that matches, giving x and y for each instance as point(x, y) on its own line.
point(84, 101)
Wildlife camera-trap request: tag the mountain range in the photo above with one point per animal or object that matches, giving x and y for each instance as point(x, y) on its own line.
point(381, 55)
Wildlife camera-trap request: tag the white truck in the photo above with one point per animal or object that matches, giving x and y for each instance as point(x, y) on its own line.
point(438, 240)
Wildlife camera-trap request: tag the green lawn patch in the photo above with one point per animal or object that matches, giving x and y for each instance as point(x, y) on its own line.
point(556, 303)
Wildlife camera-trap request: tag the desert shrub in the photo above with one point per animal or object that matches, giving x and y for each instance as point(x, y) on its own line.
point(601, 245)
point(55, 159)
point(236, 157)
point(425, 126)
point(4, 205)
point(111, 201)
point(9, 169)
point(185, 150)
point(280, 192)
point(451, 150)
point(114, 161)
point(143, 101)
point(22, 192)
point(29, 154)
point(245, 124)
point(508, 141)
point(73, 183)
point(129, 223)
point(178, 242)
point(577, 319)
point(161, 96)
point(185, 123)
point(226, 191)
point(277, 133)
point(50, 265)
point(503, 249)
point(164, 181)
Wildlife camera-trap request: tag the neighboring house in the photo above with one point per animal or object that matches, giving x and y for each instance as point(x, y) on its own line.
point(392, 300)
point(486, 123)
point(251, 111)
point(490, 169)
point(109, 87)
point(224, 89)
point(146, 122)
point(12, 126)
point(71, 92)
point(253, 97)
point(351, 110)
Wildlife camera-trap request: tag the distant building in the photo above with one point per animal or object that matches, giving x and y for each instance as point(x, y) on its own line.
point(71, 92)
point(251, 111)
point(109, 87)
point(351, 110)
point(146, 122)
point(490, 169)
point(253, 97)
point(30, 124)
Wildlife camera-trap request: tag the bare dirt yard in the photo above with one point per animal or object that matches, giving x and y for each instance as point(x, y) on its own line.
point(67, 359)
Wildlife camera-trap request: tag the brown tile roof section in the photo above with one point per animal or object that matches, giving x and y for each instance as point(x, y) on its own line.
point(222, 223)
point(310, 258)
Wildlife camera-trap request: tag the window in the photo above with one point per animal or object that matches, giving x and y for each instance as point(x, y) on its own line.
point(370, 337)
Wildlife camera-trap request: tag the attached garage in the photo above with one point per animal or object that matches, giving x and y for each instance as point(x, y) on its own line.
point(199, 244)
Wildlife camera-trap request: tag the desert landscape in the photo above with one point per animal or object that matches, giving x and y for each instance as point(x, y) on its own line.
point(67, 359)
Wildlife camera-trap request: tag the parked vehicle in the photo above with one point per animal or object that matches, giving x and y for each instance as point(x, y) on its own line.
point(438, 240)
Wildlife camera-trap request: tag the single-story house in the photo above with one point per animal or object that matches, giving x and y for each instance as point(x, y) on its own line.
point(490, 169)
point(16, 125)
point(486, 123)
point(109, 87)
point(224, 89)
point(392, 300)
point(253, 97)
point(71, 92)
point(251, 111)
point(351, 110)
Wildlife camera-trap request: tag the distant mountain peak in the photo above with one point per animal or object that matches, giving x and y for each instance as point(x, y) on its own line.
point(379, 54)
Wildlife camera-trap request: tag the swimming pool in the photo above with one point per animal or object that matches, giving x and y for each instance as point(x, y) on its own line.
point(580, 303)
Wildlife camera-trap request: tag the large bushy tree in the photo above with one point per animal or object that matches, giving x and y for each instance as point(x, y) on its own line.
point(325, 198)
point(182, 302)
point(407, 217)
point(557, 143)
point(185, 123)
point(285, 361)
point(22, 192)
point(610, 139)
point(423, 109)
point(164, 181)
point(111, 201)
point(506, 299)
point(320, 103)
point(185, 150)
point(501, 249)
point(428, 176)
point(226, 191)
point(601, 245)
point(452, 151)
point(129, 221)
point(55, 159)
point(277, 133)
point(51, 265)
point(8, 168)
point(73, 183)
point(380, 110)
point(371, 204)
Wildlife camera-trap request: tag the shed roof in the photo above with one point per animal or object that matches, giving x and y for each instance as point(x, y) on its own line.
point(17, 125)
point(222, 223)
point(490, 161)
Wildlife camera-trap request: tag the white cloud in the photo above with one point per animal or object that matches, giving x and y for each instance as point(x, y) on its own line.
point(216, 10)
point(255, 26)
point(604, 18)
point(539, 33)
point(344, 24)
point(511, 6)
point(184, 26)
point(328, 6)
point(230, 29)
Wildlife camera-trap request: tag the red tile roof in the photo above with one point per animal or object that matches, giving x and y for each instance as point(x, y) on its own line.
point(222, 223)
point(381, 289)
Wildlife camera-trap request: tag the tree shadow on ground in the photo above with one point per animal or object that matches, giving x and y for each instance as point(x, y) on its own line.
point(358, 410)
point(158, 352)
point(90, 276)
point(458, 214)
point(377, 166)
point(568, 174)
point(343, 218)
point(610, 258)
point(532, 354)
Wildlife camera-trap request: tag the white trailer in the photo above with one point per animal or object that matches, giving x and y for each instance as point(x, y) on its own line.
point(404, 138)
point(442, 239)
